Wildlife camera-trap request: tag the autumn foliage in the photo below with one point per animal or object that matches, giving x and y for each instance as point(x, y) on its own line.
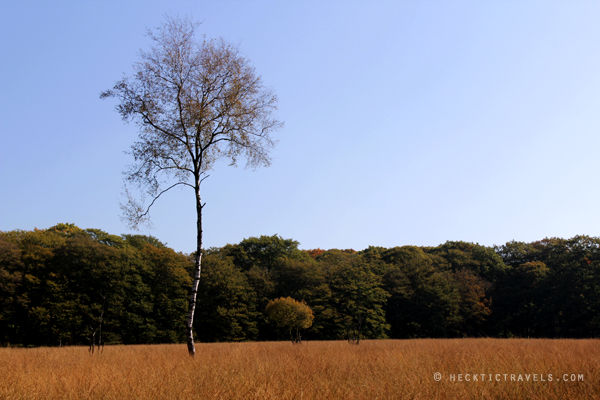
point(67, 285)
point(291, 315)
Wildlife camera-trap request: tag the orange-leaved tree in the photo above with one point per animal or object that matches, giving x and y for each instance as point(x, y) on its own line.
point(291, 315)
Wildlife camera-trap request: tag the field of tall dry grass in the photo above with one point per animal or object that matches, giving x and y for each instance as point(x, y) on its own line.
point(385, 369)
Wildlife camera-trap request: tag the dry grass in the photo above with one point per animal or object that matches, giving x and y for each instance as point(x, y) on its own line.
point(389, 369)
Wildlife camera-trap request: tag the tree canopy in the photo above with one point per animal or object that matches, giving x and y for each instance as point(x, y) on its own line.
point(291, 315)
point(66, 285)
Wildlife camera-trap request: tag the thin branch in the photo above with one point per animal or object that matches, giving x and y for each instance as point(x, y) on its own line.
point(203, 179)
point(160, 167)
point(157, 196)
point(147, 119)
point(180, 109)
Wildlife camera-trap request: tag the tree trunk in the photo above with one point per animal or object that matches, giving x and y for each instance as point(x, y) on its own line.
point(194, 291)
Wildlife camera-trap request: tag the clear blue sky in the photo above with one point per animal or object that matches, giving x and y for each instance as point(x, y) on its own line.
point(406, 122)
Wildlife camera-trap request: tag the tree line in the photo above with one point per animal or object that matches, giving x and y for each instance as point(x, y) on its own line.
point(71, 286)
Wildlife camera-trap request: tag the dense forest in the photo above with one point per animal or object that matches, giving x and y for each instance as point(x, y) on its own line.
point(66, 286)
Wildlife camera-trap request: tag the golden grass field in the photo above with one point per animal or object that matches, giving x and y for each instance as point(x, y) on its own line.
point(382, 369)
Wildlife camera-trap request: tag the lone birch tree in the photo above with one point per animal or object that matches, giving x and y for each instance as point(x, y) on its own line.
point(195, 102)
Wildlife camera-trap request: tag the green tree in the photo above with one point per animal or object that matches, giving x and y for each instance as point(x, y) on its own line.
point(263, 289)
point(290, 315)
point(423, 302)
point(195, 103)
point(229, 309)
point(474, 307)
point(37, 250)
point(574, 281)
point(306, 282)
point(169, 281)
point(11, 276)
point(519, 299)
point(516, 253)
point(552, 289)
point(74, 286)
point(263, 252)
point(481, 260)
point(359, 300)
point(84, 289)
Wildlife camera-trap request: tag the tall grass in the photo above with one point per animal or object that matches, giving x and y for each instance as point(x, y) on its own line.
point(389, 369)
